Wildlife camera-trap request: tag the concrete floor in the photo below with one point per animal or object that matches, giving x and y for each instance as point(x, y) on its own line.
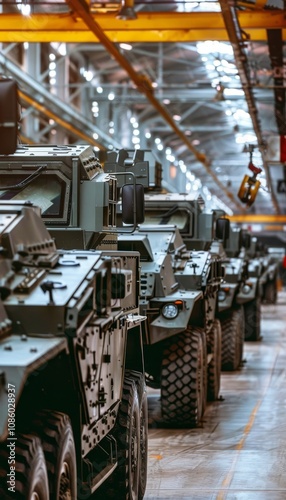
point(239, 453)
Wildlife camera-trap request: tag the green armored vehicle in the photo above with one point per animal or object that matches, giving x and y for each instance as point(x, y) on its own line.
point(239, 302)
point(182, 345)
point(205, 232)
point(201, 231)
point(73, 405)
point(71, 365)
point(262, 262)
point(78, 202)
point(249, 294)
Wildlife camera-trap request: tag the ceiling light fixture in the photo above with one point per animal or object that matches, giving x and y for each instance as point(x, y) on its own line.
point(125, 46)
point(127, 11)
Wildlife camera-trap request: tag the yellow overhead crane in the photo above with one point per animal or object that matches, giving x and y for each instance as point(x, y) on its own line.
point(258, 219)
point(270, 223)
point(148, 27)
point(71, 27)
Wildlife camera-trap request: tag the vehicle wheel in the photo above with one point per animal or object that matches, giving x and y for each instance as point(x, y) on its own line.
point(252, 311)
point(31, 478)
point(270, 292)
point(124, 482)
point(232, 326)
point(205, 372)
point(55, 430)
point(183, 378)
point(143, 407)
point(214, 367)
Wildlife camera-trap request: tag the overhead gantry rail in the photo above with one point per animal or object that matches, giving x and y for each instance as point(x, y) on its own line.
point(83, 25)
point(269, 223)
point(236, 37)
point(258, 219)
point(153, 27)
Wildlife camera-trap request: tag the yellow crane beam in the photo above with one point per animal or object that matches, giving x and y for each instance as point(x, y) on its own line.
point(148, 27)
point(143, 84)
point(258, 219)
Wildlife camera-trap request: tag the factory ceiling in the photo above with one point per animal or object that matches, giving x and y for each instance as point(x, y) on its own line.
point(204, 83)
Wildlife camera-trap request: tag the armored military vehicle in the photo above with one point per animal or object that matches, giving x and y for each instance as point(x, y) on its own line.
point(182, 345)
point(79, 201)
point(266, 265)
point(239, 302)
point(73, 405)
point(249, 294)
point(204, 232)
point(270, 287)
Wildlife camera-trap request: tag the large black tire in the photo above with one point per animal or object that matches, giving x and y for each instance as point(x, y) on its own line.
point(55, 430)
point(252, 312)
point(233, 327)
point(270, 292)
point(124, 482)
point(205, 363)
point(31, 478)
point(139, 380)
point(183, 379)
point(214, 367)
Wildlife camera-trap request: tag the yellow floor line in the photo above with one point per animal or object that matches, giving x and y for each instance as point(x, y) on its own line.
point(227, 480)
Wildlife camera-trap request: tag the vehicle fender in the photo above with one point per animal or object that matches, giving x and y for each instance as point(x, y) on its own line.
point(227, 303)
point(162, 328)
point(272, 271)
point(254, 291)
point(263, 278)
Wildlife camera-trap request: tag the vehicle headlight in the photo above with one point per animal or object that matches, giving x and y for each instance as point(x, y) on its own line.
point(221, 295)
point(246, 289)
point(170, 311)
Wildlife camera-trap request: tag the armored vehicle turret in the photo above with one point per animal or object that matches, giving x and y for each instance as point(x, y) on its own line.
point(73, 406)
